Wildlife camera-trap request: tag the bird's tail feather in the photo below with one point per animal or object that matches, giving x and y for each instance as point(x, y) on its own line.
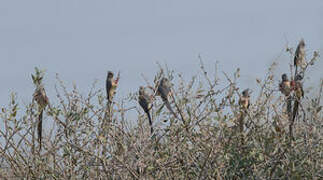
point(241, 124)
point(170, 108)
point(289, 106)
point(39, 129)
point(150, 123)
point(295, 112)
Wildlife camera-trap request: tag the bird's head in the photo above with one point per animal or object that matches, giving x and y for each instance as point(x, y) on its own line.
point(301, 43)
point(110, 75)
point(164, 81)
point(284, 77)
point(246, 93)
point(141, 90)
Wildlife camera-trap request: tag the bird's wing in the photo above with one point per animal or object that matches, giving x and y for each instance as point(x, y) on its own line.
point(43, 92)
point(241, 101)
point(302, 90)
point(296, 55)
point(295, 60)
point(281, 86)
point(143, 103)
point(164, 92)
point(108, 87)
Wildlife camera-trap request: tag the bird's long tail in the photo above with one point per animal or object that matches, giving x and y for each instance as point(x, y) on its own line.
point(169, 107)
point(40, 128)
point(295, 111)
point(289, 106)
point(150, 123)
point(241, 124)
point(107, 115)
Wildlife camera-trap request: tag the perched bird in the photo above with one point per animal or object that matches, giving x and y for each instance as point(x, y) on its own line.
point(285, 85)
point(299, 93)
point(42, 100)
point(299, 58)
point(244, 103)
point(244, 100)
point(145, 102)
point(164, 91)
point(111, 85)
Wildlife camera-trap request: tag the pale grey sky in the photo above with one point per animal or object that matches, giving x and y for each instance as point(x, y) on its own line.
point(82, 39)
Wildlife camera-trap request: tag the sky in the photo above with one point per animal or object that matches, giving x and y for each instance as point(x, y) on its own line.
point(81, 39)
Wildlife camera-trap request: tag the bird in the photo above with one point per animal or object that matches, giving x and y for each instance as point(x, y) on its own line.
point(244, 100)
point(299, 58)
point(42, 100)
point(286, 87)
point(111, 85)
point(144, 101)
point(299, 93)
point(164, 91)
point(244, 103)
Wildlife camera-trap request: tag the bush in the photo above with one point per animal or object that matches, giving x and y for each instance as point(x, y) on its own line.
point(83, 139)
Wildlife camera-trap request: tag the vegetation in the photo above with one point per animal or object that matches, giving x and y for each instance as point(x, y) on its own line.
point(83, 138)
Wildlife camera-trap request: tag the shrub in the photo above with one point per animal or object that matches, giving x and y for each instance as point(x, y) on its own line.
point(83, 139)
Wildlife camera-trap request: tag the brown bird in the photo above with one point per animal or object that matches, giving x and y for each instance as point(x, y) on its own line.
point(164, 91)
point(299, 93)
point(145, 102)
point(244, 103)
point(244, 100)
point(299, 59)
point(286, 87)
point(42, 100)
point(111, 85)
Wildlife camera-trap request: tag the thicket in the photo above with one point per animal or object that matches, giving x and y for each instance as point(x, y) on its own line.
point(83, 140)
